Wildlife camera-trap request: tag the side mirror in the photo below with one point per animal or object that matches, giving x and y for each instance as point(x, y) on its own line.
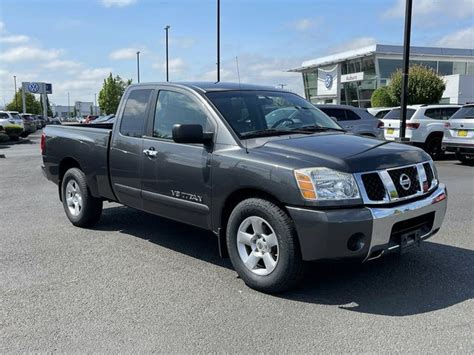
point(333, 118)
point(190, 133)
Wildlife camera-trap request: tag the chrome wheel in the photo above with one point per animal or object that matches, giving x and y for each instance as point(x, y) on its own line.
point(73, 197)
point(257, 245)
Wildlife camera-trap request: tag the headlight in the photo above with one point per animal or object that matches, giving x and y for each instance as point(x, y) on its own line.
point(326, 184)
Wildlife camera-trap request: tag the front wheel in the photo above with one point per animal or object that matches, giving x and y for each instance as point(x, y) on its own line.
point(82, 209)
point(263, 246)
point(433, 146)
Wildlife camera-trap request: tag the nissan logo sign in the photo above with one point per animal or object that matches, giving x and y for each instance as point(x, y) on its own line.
point(405, 182)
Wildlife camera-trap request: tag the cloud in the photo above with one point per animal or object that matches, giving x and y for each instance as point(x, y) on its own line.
point(2, 26)
point(62, 64)
point(97, 73)
point(117, 3)
point(352, 44)
point(25, 53)
point(306, 24)
point(460, 39)
point(125, 53)
point(15, 39)
point(429, 8)
point(176, 65)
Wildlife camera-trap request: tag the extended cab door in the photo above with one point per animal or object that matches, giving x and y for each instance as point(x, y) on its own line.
point(126, 151)
point(176, 179)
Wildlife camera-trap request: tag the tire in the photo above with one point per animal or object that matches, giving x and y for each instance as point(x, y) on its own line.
point(273, 225)
point(433, 146)
point(82, 209)
point(465, 159)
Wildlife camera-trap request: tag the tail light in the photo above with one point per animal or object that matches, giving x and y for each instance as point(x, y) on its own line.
point(447, 125)
point(380, 125)
point(43, 142)
point(413, 125)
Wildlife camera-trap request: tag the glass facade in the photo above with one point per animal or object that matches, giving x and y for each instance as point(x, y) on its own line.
point(377, 72)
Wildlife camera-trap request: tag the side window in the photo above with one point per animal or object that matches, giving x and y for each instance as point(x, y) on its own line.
point(176, 108)
point(351, 115)
point(335, 112)
point(434, 113)
point(448, 112)
point(133, 118)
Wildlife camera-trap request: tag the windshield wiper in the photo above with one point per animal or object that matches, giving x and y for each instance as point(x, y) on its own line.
point(316, 129)
point(265, 133)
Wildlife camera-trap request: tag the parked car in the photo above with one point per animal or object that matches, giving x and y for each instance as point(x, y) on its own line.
point(203, 154)
point(29, 123)
point(10, 118)
point(379, 112)
point(90, 119)
point(459, 134)
point(424, 125)
point(42, 120)
point(354, 119)
point(54, 121)
point(103, 119)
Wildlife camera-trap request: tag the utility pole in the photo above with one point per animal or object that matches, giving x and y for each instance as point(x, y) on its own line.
point(138, 66)
point(167, 59)
point(95, 101)
point(68, 107)
point(218, 40)
point(406, 63)
point(16, 99)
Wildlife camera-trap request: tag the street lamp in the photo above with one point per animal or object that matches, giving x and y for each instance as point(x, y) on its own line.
point(167, 60)
point(218, 40)
point(138, 66)
point(16, 99)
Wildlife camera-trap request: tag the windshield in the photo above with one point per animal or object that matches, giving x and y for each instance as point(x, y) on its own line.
point(395, 114)
point(257, 113)
point(464, 112)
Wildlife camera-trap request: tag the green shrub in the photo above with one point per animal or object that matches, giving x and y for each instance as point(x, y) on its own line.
point(425, 86)
point(381, 98)
point(4, 137)
point(13, 132)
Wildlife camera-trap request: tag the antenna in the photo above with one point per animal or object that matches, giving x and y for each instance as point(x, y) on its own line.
point(282, 85)
point(238, 71)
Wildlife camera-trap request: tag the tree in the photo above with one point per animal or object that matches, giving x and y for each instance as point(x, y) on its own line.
point(381, 98)
point(111, 93)
point(32, 105)
point(425, 86)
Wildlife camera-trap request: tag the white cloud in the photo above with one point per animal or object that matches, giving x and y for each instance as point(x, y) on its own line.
point(306, 24)
point(424, 8)
point(25, 53)
point(117, 3)
point(14, 39)
point(352, 44)
point(93, 74)
point(461, 39)
point(176, 65)
point(2, 26)
point(62, 64)
point(125, 53)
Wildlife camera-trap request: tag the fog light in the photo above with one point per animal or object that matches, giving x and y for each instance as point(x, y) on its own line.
point(356, 242)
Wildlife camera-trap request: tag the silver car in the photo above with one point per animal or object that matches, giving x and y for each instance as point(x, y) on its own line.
point(354, 119)
point(459, 134)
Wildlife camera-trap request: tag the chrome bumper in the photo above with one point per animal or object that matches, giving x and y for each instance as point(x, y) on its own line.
point(385, 218)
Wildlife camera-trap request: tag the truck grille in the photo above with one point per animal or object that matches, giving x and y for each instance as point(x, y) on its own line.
point(384, 186)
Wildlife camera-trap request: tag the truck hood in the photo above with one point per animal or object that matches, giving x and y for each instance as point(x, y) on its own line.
point(344, 152)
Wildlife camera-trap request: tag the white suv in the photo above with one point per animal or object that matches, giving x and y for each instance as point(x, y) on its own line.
point(459, 134)
point(425, 125)
point(10, 118)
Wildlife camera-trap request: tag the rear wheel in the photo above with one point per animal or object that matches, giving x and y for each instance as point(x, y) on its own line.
point(263, 246)
point(82, 209)
point(465, 159)
point(433, 146)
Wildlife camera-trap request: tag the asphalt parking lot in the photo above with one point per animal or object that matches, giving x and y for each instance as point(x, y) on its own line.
point(141, 283)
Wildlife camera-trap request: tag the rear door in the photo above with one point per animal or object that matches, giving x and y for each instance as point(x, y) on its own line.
point(126, 152)
point(176, 178)
point(353, 123)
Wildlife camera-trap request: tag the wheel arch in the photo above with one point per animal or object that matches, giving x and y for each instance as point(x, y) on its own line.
point(65, 165)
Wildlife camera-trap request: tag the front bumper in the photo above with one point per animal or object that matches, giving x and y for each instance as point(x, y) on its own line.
point(368, 232)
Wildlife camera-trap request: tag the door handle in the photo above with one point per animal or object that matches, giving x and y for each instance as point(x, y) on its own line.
point(150, 152)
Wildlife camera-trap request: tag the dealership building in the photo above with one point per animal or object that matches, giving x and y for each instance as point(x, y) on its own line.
point(351, 77)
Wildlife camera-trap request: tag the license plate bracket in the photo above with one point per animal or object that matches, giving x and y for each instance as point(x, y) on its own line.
point(410, 240)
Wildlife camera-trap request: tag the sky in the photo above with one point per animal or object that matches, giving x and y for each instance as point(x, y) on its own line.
point(75, 44)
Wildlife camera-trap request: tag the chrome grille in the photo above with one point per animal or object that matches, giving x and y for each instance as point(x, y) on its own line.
point(396, 184)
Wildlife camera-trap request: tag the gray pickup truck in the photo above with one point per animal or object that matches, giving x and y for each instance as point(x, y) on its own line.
point(276, 187)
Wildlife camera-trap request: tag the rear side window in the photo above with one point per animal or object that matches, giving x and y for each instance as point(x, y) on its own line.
point(337, 113)
point(3, 115)
point(176, 108)
point(133, 118)
point(352, 116)
point(434, 113)
point(464, 112)
point(395, 114)
point(449, 111)
point(381, 114)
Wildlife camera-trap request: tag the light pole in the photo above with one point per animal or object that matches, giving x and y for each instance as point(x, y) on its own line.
point(406, 62)
point(138, 66)
point(167, 60)
point(68, 107)
point(218, 40)
point(95, 103)
point(16, 99)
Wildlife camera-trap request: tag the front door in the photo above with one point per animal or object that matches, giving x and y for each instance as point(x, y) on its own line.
point(126, 148)
point(176, 180)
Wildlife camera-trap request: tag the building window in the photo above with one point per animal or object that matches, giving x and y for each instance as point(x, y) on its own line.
point(459, 68)
point(470, 68)
point(445, 68)
point(389, 66)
